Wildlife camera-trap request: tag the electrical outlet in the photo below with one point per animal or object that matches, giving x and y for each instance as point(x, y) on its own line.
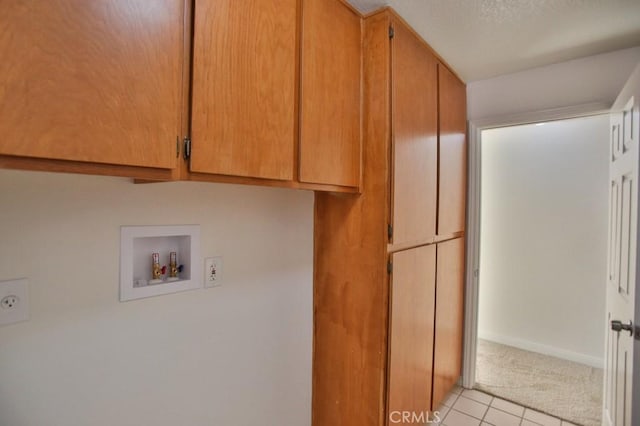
point(213, 271)
point(14, 301)
point(9, 302)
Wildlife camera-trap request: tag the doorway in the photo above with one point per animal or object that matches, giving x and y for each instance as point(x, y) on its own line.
point(540, 261)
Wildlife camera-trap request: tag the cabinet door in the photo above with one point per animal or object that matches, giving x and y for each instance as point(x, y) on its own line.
point(92, 81)
point(449, 318)
point(244, 88)
point(414, 121)
point(411, 329)
point(330, 101)
point(453, 153)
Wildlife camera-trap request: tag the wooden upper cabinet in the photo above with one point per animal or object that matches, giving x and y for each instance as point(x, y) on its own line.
point(244, 88)
point(449, 318)
point(453, 153)
point(331, 92)
point(414, 128)
point(411, 330)
point(96, 82)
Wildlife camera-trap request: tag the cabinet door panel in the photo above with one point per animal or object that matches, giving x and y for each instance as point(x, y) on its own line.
point(244, 80)
point(453, 153)
point(331, 86)
point(414, 121)
point(411, 333)
point(92, 81)
point(449, 318)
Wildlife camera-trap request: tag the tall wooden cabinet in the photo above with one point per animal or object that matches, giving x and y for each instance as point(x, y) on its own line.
point(389, 264)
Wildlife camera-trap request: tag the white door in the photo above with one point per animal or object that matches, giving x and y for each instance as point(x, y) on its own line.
point(623, 260)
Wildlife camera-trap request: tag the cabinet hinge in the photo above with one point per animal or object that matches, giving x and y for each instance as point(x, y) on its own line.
point(390, 232)
point(177, 146)
point(391, 32)
point(389, 267)
point(187, 148)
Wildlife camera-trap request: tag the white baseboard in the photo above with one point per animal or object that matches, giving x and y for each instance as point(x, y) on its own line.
point(527, 345)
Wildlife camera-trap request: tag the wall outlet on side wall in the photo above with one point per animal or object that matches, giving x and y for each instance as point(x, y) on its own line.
point(14, 301)
point(213, 271)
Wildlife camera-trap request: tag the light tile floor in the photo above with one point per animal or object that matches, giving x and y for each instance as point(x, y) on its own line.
point(464, 407)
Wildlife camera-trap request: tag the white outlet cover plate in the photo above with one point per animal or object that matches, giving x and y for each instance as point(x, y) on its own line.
point(217, 263)
point(20, 312)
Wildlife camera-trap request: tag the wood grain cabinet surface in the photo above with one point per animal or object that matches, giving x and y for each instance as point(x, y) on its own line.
point(449, 309)
point(274, 98)
point(267, 92)
point(97, 82)
point(415, 138)
point(453, 153)
point(388, 264)
point(244, 88)
point(330, 106)
point(411, 330)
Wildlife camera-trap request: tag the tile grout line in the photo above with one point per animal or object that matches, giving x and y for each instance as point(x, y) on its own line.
point(452, 408)
point(522, 418)
point(487, 411)
point(488, 407)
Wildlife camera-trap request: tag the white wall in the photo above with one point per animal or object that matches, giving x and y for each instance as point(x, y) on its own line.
point(238, 355)
point(592, 79)
point(544, 237)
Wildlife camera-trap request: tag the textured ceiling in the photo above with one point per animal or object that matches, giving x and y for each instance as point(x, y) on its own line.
point(486, 38)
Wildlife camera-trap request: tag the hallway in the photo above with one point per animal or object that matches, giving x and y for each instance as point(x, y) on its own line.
point(565, 389)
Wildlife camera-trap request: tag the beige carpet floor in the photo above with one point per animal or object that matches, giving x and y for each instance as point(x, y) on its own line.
point(555, 386)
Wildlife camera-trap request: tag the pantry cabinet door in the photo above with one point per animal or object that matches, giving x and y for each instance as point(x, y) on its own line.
point(449, 318)
point(330, 116)
point(92, 81)
point(414, 126)
point(453, 153)
point(411, 330)
point(244, 88)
